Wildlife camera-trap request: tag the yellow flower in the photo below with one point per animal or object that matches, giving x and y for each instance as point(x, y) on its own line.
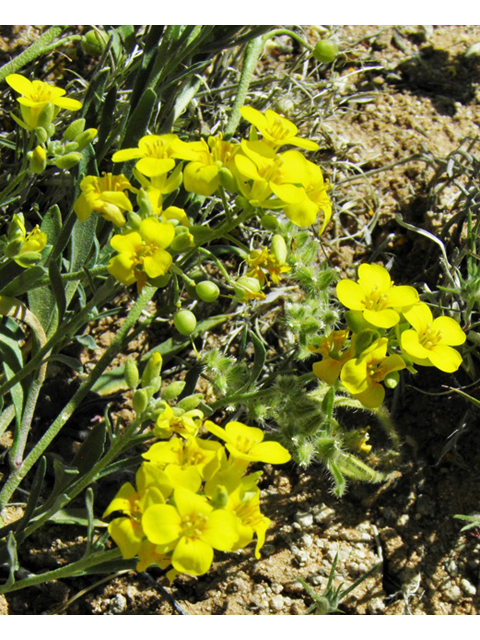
point(430, 341)
point(246, 443)
point(191, 529)
point(106, 196)
point(142, 253)
point(375, 294)
point(186, 424)
point(262, 173)
point(362, 376)
point(330, 347)
point(154, 153)
point(201, 175)
point(159, 186)
point(245, 504)
point(263, 260)
point(36, 95)
point(275, 129)
point(24, 243)
point(314, 199)
point(152, 487)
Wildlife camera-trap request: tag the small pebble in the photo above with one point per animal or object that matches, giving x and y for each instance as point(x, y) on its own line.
point(118, 604)
point(375, 606)
point(468, 587)
point(277, 603)
point(307, 540)
point(453, 594)
point(304, 519)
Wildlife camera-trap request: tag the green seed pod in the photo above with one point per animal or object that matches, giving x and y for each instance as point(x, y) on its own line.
point(153, 369)
point(74, 129)
point(85, 138)
point(279, 248)
point(207, 291)
point(244, 286)
point(140, 400)
point(227, 180)
point(325, 51)
point(220, 497)
point(131, 373)
point(185, 322)
point(161, 281)
point(94, 42)
point(269, 222)
point(183, 240)
point(173, 390)
point(68, 161)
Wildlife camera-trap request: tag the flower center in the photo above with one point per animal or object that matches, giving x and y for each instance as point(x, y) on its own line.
point(193, 525)
point(157, 149)
point(430, 337)
point(376, 300)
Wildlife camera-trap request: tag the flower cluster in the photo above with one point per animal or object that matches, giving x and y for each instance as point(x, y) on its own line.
point(191, 497)
point(391, 330)
point(22, 247)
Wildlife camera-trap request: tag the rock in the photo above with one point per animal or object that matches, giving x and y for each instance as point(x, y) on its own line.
point(453, 594)
point(304, 519)
point(277, 603)
point(467, 587)
point(376, 606)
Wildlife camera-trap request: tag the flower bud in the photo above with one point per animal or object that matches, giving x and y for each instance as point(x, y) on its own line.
point(160, 281)
point(42, 135)
point(185, 322)
point(207, 291)
point(46, 116)
point(38, 160)
point(85, 138)
point(190, 402)
point(269, 222)
point(279, 248)
point(134, 220)
point(28, 258)
point(16, 228)
point(325, 51)
point(94, 42)
point(140, 401)
point(354, 321)
point(183, 239)
point(391, 379)
point(70, 146)
point(131, 373)
point(227, 180)
point(173, 390)
point(153, 368)
point(74, 129)
point(14, 247)
point(220, 497)
point(68, 161)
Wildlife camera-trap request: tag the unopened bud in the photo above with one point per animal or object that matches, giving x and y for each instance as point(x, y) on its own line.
point(14, 247)
point(173, 390)
point(190, 402)
point(269, 222)
point(220, 497)
point(153, 368)
point(46, 116)
point(354, 320)
point(38, 160)
point(392, 379)
point(85, 138)
point(183, 239)
point(28, 258)
point(227, 180)
point(134, 220)
point(42, 135)
point(70, 146)
point(68, 161)
point(94, 42)
point(279, 248)
point(140, 401)
point(74, 129)
point(131, 373)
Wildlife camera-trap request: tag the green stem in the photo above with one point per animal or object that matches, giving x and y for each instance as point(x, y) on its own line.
point(82, 275)
point(252, 54)
point(69, 571)
point(34, 51)
point(113, 350)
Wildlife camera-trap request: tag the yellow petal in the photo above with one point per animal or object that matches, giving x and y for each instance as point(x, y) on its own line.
point(162, 524)
point(192, 556)
point(19, 83)
point(351, 295)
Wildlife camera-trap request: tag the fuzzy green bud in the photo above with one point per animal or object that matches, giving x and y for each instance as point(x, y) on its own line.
point(68, 161)
point(140, 401)
point(173, 390)
point(46, 116)
point(85, 138)
point(183, 239)
point(42, 135)
point(190, 402)
point(131, 373)
point(16, 228)
point(74, 129)
point(51, 130)
point(144, 203)
point(29, 258)
point(153, 369)
point(70, 146)
point(227, 180)
point(134, 220)
point(94, 42)
point(279, 248)
point(269, 222)
point(207, 291)
point(185, 322)
point(325, 51)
